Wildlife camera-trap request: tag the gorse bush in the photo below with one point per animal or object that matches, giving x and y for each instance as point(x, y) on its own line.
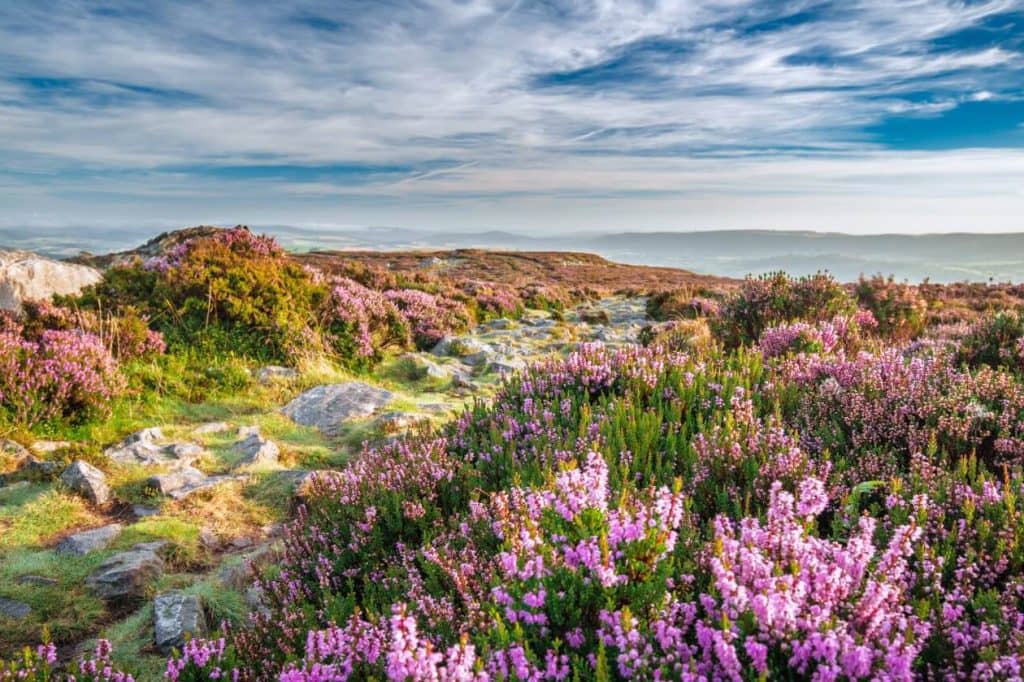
point(775, 299)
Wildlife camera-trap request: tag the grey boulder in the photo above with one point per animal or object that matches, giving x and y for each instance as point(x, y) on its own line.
point(330, 406)
point(126, 574)
point(86, 480)
point(177, 617)
point(88, 541)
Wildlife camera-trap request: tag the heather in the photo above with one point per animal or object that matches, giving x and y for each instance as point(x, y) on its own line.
point(801, 482)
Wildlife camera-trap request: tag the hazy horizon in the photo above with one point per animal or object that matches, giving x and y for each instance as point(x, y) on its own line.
point(556, 117)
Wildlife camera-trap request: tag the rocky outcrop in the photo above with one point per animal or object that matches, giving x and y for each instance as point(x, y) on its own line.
point(143, 449)
point(255, 449)
point(27, 276)
point(126, 574)
point(330, 406)
point(88, 541)
point(87, 480)
point(183, 482)
point(177, 617)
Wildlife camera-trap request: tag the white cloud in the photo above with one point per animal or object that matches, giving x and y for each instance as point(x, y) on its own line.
point(407, 83)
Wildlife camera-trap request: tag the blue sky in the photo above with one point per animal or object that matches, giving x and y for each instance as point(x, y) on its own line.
point(858, 116)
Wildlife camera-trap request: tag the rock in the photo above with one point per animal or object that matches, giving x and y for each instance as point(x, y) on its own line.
point(460, 346)
point(502, 323)
point(421, 367)
point(396, 422)
point(330, 406)
point(208, 539)
point(87, 541)
point(177, 617)
point(15, 610)
point(210, 428)
point(142, 511)
point(26, 276)
point(183, 482)
point(13, 450)
point(39, 469)
point(255, 449)
point(45, 447)
point(246, 431)
point(126, 574)
point(594, 316)
point(506, 365)
point(142, 449)
point(39, 580)
point(271, 373)
point(87, 480)
point(479, 358)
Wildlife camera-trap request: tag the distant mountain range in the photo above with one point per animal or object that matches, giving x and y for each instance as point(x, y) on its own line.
point(735, 253)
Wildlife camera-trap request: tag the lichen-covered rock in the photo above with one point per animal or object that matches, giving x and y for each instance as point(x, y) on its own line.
point(183, 482)
point(330, 406)
point(87, 480)
point(126, 574)
point(255, 449)
point(271, 373)
point(142, 448)
point(26, 276)
point(88, 541)
point(210, 428)
point(177, 617)
point(15, 610)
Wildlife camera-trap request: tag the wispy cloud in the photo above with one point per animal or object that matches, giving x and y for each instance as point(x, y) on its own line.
point(490, 111)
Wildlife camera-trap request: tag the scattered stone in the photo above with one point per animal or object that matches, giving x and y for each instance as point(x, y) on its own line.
point(506, 365)
point(210, 428)
point(126, 574)
point(177, 617)
point(255, 449)
point(13, 450)
point(271, 373)
point(502, 323)
point(421, 367)
point(460, 346)
point(479, 358)
point(594, 316)
point(15, 610)
point(38, 580)
point(330, 406)
point(46, 447)
point(238, 573)
point(246, 431)
point(36, 469)
point(142, 511)
point(184, 482)
point(391, 423)
point(87, 480)
point(141, 448)
point(209, 539)
point(88, 541)
point(241, 542)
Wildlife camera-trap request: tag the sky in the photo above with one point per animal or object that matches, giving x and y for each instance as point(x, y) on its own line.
point(549, 117)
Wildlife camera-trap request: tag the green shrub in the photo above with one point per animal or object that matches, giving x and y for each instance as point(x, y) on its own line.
point(774, 299)
point(898, 307)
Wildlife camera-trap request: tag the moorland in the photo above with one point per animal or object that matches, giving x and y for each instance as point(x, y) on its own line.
point(224, 460)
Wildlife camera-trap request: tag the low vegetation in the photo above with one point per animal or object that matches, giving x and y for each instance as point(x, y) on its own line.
point(789, 479)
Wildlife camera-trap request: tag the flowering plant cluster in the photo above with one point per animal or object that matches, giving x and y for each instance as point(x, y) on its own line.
point(774, 299)
point(841, 333)
point(61, 375)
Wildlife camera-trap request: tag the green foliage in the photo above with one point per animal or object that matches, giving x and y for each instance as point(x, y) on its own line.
point(775, 299)
point(995, 341)
point(898, 307)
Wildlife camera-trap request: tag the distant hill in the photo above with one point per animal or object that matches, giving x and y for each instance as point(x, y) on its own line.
point(735, 253)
